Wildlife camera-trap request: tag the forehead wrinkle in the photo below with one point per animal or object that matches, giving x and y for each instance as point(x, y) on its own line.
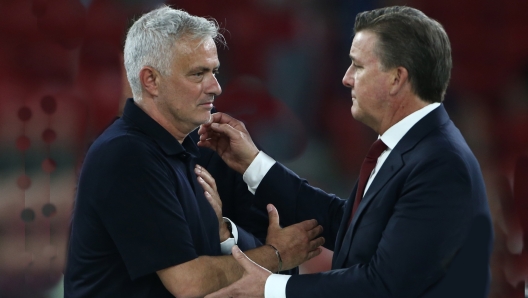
point(196, 53)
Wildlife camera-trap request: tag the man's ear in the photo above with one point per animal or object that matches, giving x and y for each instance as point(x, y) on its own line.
point(399, 79)
point(150, 80)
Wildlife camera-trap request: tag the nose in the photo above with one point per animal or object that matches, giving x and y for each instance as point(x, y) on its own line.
point(213, 88)
point(348, 79)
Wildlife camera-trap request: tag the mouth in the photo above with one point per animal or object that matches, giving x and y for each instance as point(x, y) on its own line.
point(208, 104)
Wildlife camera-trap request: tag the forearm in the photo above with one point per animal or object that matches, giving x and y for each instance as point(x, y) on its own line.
point(207, 274)
point(266, 257)
point(200, 276)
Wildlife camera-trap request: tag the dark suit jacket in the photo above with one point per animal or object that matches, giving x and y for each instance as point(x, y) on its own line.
point(423, 228)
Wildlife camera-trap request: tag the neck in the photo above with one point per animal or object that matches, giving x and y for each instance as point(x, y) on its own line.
point(398, 110)
point(148, 106)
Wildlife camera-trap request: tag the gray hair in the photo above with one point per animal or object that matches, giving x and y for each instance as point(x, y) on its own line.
point(409, 38)
point(151, 39)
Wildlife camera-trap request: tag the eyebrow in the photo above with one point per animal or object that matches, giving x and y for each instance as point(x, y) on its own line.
point(204, 68)
point(355, 60)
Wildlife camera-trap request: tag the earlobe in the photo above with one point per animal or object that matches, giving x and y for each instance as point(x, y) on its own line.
point(399, 79)
point(149, 78)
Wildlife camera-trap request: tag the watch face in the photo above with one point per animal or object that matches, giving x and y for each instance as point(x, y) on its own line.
point(229, 227)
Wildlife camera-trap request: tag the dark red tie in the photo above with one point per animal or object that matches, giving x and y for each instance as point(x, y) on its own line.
point(366, 169)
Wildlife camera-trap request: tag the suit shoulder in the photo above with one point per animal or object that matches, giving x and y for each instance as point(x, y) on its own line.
point(446, 143)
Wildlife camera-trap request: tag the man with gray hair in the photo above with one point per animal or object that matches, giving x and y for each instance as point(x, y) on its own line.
point(143, 226)
point(417, 223)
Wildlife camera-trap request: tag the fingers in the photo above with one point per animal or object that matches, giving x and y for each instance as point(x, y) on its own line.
point(223, 118)
point(207, 188)
point(213, 203)
point(207, 179)
point(208, 138)
point(308, 224)
point(210, 194)
point(314, 253)
point(221, 123)
point(218, 118)
point(225, 129)
point(316, 243)
point(206, 132)
point(273, 216)
point(314, 232)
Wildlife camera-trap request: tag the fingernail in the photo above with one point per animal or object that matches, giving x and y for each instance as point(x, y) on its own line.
point(200, 179)
point(207, 194)
point(197, 170)
point(269, 208)
point(215, 125)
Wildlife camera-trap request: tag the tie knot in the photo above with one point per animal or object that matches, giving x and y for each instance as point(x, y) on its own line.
point(376, 149)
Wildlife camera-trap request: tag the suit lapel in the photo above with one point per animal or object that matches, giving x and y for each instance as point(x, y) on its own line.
point(391, 166)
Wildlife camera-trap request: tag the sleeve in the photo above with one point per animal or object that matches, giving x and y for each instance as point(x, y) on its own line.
point(140, 209)
point(257, 170)
point(296, 201)
point(275, 286)
point(247, 241)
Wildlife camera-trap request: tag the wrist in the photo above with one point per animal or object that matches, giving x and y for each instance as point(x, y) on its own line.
point(279, 259)
point(225, 231)
point(249, 161)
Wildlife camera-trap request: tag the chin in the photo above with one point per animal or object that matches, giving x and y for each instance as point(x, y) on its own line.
point(355, 113)
point(204, 119)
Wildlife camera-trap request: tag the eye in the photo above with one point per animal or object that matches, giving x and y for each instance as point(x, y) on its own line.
point(198, 74)
point(216, 72)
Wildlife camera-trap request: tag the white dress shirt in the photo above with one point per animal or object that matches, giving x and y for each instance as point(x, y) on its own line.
point(276, 283)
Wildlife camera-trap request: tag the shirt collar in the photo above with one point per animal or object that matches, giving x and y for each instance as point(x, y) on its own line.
point(168, 143)
point(395, 133)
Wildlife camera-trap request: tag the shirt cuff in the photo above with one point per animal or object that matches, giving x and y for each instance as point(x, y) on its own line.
point(276, 286)
point(226, 246)
point(257, 170)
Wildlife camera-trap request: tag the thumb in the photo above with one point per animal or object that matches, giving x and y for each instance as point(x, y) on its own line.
point(273, 216)
point(242, 259)
point(225, 292)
